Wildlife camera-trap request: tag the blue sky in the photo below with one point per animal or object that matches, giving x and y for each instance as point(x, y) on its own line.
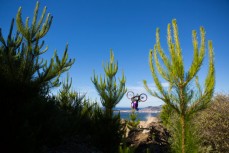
point(93, 27)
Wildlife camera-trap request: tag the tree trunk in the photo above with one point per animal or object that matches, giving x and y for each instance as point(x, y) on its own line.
point(183, 140)
point(109, 112)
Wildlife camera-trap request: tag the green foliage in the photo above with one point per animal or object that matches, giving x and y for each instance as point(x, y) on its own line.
point(109, 91)
point(69, 99)
point(126, 149)
point(34, 120)
point(108, 126)
point(213, 124)
point(22, 61)
point(30, 114)
point(192, 139)
point(39, 69)
point(87, 119)
point(21, 66)
point(108, 131)
point(184, 100)
point(77, 110)
point(166, 114)
point(133, 122)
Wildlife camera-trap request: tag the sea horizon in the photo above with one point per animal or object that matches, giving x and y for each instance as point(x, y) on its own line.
point(141, 115)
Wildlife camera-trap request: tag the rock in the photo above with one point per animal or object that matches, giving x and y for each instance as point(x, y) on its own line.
point(146, 124)
point(150, 134)
point(145, 131)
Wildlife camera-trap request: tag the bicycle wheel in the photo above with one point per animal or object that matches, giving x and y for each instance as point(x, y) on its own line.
point(130, 94)
point(143, 97)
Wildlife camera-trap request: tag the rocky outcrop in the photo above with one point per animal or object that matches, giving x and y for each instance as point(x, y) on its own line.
point(150, 134)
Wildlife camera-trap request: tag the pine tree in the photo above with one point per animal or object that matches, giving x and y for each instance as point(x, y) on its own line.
point(21, 60)
point(25, 81)
point(109, 92)
point(68, 98)
point(45, 72)
point(183, 99)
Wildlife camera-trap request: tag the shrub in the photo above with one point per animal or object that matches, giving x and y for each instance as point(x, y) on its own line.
point(106, 131)
point(133, 122)
point(213, 124)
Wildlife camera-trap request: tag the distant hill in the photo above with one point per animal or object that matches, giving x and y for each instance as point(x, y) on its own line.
point(151, 109)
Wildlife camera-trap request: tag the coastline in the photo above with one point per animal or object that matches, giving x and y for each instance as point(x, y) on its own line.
point(149, 109)
point(139, 111)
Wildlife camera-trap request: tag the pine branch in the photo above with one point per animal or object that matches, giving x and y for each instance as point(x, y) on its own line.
point(109, 91)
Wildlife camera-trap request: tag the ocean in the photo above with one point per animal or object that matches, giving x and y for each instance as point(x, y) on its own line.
point(142, 116)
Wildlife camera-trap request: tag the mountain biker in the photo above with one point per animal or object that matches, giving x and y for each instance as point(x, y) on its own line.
point(134, 102)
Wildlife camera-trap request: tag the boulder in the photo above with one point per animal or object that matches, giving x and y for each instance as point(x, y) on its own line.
point(150, 134)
